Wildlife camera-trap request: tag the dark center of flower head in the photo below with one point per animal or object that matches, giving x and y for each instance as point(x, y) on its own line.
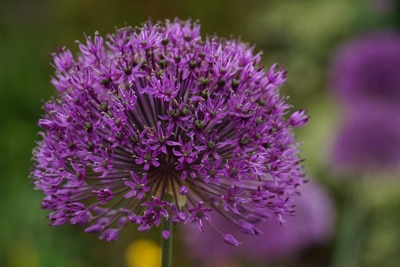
point(193, 128)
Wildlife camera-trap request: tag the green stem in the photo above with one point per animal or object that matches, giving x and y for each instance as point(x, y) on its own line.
point(352, 227)
point(166, 245)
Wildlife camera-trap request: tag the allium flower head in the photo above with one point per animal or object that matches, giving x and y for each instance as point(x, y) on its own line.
point(367, 70)
point(384, 6)
point(368, 140)
point(155, 123)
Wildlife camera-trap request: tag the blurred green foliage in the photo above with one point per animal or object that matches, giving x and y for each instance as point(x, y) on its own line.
point(301, 35)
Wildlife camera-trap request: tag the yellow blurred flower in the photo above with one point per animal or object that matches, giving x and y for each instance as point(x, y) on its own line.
point(143, 253)
point(23, 254)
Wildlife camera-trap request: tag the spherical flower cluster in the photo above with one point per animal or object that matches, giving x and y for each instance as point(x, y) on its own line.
point(366, 81)
point(312, 225)
point(366, 70)
point(368, 140)
point(384, 6)
point(156, 124)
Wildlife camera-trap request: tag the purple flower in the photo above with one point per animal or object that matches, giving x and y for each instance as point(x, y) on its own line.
point(384, 6)
point(312, 225)
point(138, 187)
point(366, 70)
point(299, 118)
point(104, 195)
point(368, 140)
point(155, 123)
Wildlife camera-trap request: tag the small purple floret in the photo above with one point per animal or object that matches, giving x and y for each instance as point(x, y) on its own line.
point(228, 238)
point(299, 118)
point(166, 234)
point(103, 195)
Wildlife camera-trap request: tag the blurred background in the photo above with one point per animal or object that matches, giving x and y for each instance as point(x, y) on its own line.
point(343, 63)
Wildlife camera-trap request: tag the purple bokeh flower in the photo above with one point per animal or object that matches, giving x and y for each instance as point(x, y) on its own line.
point(368, 140)
point(155, 123)
point(367, 70)
point(384, 6)
point(312, 225)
